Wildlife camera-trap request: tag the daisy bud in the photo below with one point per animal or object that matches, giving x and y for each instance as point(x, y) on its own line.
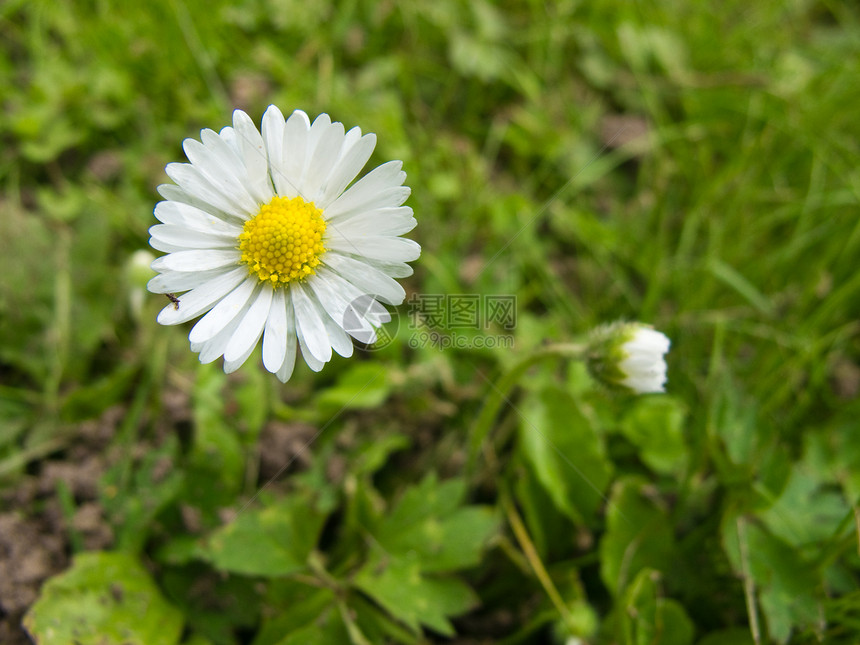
point(629, 356)
point(138, 273)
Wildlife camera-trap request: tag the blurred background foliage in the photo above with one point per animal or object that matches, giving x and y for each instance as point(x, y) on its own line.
point(690, 165)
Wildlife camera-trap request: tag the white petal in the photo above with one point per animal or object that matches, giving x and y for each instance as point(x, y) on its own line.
point(366, 278)
point(164, 247)
point(335, 288)
point(214, 347)
point(175, 281)
point(218, 163)
point(346, 169)
point(337, 337)
point(275, 334)
point(345, 314)
point(193, 218)
point(227, 309)
point(225, 145)
point(227, 135)
point(273, 136)
point(309, 326)
point(201, 298)
point(197, 260)
point(181, 237)
point(335, 301)
point(194, 183)
point(255, 157)
point(288, 177)
point(286, 369)
point(327, 141)
point(380, 221)
point(174, 194)
point(379, 188)
point(248, 333)
point(312, 362)
point(388, 249)
point(392, 269)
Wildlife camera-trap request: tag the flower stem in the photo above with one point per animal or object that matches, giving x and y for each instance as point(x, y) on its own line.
point(500, 390)
point(534, 560)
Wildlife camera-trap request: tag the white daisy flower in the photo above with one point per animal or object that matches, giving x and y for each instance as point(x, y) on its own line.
point(262, 233)
point(629, 356)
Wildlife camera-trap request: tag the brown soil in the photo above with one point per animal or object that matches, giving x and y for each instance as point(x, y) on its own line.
point(35, 532)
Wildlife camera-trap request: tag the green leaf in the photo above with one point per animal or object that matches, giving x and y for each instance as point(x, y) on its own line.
point(372, 455)
point(399, 586)
point(565, 453)
point(216, 463)
point(784, 582)
point(429, 523)
point(253, 404)
point(362, 386)
point(834, 453)
point(302, 607)
point(326, 629)
point(648, 618)
point(549, 529)
point(103, 599)
point(376, 624)
point(274, 541)
point(806, 512)
point(655, 425)
point(638, 535)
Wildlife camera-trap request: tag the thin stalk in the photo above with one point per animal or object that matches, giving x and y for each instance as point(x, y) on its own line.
point(499, 392)
point(534, 560)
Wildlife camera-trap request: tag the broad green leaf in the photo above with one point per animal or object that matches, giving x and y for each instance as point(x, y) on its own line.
point(326, 629)
point(103, 599)
point(271, 542)
point(834, 454)
point(447, 543)
point(807, 511)
point(376, 624)
point(430, 497)
point(655, 425)
point(785, 583)
point(675, 625)
point(302, 607)
point(399, 586)
point(565, 453)
point(549, 528)
point(372, 456)
point(428, 522)
point(648, 618)
point(638, 535)
point(362, 386)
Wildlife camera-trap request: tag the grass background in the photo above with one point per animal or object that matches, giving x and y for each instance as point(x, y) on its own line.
point(690, 166)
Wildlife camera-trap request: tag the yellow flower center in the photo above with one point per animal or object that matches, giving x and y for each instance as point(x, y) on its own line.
point(283, 242)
